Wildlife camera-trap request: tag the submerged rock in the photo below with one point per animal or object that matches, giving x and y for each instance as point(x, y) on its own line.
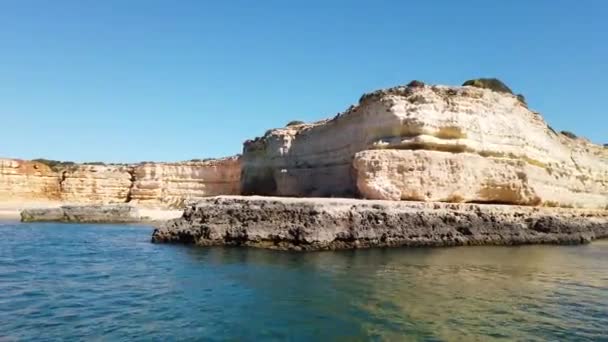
point(114, 213)
point(323, 223)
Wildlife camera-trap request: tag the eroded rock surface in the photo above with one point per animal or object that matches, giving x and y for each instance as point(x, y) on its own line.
point(322, 223)
point(464, 144)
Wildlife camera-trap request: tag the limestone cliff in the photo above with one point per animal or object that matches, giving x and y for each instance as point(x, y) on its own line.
point(431, 143)
point(22, 180)
point(96, 184)
point(162, 185)
point(170, 184)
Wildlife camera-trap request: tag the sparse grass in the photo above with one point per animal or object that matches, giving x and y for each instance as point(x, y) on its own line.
point(55, 165)
point(195, 160)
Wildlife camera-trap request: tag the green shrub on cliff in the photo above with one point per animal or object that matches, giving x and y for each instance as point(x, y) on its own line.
point(415, 84)
point(55, 165)
point(489, 83)
point(198, 160)
point(569, 134)
point(295, 123)
point(495, 85)
point(606, 145)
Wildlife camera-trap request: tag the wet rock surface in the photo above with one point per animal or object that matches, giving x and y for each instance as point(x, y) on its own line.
point(117, 213)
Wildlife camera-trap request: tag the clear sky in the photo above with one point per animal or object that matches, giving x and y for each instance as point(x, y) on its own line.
point(129, 80)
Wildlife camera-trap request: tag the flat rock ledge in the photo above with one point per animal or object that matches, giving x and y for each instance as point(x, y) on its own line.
point(307, 224)
point(110, 213)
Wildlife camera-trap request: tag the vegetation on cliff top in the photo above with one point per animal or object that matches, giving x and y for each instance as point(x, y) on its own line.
point(198, 160)
point(495, 85)
point(55, 165)
point(569, 134)
point(415, 84)
point(489, 83)
point(295, 123)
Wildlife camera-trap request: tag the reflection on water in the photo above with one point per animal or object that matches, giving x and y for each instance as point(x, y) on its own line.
point(82, 281)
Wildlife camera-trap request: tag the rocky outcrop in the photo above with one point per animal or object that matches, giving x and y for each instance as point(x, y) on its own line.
point(156, 185)
point(109, 213)
point(431, 143)
point(171, 184)
point(316, 224)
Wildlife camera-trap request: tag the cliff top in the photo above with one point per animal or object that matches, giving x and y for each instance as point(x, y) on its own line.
point(415, 91)
point(49, 165)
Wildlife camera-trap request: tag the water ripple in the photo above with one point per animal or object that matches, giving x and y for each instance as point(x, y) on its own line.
point(78, 282)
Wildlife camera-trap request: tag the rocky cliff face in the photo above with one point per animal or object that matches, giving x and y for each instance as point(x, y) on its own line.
point(96, 184)
point(431, 143)
point(27, 181)
point(170, 184)
point(163, 185)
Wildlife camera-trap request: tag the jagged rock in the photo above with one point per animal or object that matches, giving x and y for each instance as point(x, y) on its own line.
point(523, 161)
point(322, 223)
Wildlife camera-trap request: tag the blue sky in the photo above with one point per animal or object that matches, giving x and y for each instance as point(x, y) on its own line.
point(131, 80)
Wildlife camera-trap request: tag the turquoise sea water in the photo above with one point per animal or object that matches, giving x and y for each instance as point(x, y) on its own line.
point(108, 282)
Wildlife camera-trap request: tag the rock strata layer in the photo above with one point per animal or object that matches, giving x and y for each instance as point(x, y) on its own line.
point(27, 181)
point(172, 184)
point(430, 143)
point(321, 223)
point(156, 185)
